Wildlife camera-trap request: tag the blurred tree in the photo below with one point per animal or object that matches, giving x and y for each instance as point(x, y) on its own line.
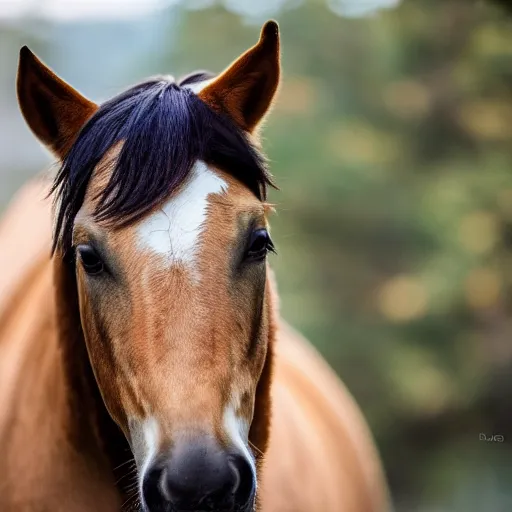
point(391, 142)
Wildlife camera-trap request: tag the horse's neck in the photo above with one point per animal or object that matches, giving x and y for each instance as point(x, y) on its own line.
point(50, 425)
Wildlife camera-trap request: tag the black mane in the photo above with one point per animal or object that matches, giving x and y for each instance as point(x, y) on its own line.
point(165, 129)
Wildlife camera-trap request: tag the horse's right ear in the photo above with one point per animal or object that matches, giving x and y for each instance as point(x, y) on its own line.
point(54, 111)
point(246, 89)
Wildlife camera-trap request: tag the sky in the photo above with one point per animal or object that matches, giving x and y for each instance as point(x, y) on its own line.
point(63, 10)
point(80, 9)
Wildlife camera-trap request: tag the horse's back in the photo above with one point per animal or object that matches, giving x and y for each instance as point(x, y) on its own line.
point(25, 235)
point(25, 229)
point(321, 456)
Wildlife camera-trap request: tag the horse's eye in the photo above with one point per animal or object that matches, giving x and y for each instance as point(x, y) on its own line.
point(260, 245)
point(90, 260)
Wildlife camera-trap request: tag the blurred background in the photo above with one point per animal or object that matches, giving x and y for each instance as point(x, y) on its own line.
point(391, 142)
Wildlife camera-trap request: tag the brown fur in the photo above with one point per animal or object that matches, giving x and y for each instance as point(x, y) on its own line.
point(36, 84)
point(320, 456)
point(83, 351)
point(246, 88)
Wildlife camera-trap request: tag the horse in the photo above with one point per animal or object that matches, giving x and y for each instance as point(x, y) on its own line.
point(143, 361)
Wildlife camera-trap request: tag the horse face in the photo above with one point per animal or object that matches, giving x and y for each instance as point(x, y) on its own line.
point(174, 304)
point(175, 314)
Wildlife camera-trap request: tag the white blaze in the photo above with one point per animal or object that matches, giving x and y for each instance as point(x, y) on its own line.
point(174, 230)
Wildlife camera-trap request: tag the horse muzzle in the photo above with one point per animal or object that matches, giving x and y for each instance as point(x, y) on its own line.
point(199, 476)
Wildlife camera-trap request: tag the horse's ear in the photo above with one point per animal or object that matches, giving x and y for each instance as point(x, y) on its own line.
point(54, 111)
point(245, 90)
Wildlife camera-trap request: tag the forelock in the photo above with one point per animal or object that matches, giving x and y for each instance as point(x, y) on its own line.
point(162, 129)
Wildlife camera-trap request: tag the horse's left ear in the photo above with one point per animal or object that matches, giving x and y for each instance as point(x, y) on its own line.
point(245, 90)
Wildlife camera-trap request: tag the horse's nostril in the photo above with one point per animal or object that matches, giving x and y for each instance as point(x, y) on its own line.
point(153, 494)
point(243, 488)
point(163, 485)
point(233, 467)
